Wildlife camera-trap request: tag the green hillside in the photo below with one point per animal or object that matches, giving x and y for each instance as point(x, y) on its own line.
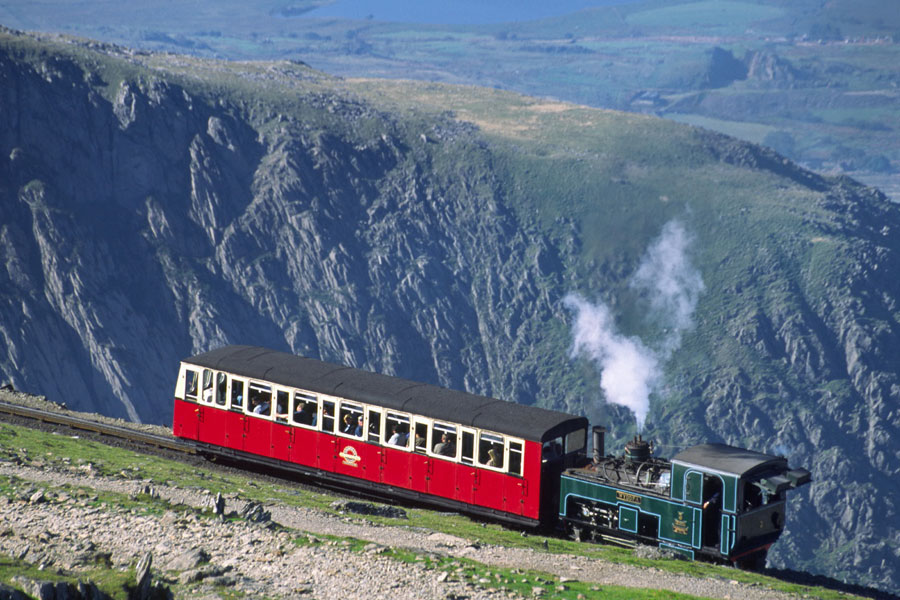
point(156, 205)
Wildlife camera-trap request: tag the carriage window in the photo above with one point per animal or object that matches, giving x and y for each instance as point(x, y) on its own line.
point(398, 428)
point(351, 419)
point(221, 389)
point(282, 398)
point(515, 457)
point(328, 416)
point(468, 447)
point(490, 450)
point(207, 386)
point(374, 431)
point(190, 384)
point(237, 394)
point(260, 402)
point(443, 438)
point(306, 409)
point(421, 440)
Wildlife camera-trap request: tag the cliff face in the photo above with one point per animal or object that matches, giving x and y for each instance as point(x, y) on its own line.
point(149, 211)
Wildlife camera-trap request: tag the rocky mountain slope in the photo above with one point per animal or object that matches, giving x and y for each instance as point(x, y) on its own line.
point(154, 206)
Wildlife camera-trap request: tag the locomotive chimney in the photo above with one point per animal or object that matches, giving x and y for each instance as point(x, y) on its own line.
point(637, 451)
point(599, 443)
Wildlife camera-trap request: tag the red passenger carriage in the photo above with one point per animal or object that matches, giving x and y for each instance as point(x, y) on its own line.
point(398, 438)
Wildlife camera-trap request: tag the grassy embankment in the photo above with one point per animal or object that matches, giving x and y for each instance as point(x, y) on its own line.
point(62, 452)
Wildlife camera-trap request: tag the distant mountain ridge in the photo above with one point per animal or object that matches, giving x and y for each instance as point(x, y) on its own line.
point(153, 206)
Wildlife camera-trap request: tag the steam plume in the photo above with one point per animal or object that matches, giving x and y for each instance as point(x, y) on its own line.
point(630, 370)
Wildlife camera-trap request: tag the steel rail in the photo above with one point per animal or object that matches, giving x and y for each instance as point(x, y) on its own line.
point(116, 431)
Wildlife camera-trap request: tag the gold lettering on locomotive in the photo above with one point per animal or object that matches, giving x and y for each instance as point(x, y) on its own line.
point(626, 497)
point(679, 525)
point(350, 456)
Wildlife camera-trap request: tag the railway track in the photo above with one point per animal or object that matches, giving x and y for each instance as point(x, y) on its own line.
point(171, 447)
point(96, 427)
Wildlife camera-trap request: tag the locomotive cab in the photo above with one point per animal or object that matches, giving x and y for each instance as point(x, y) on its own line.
point(738, 496)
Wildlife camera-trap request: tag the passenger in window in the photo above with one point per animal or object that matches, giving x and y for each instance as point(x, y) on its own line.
point(262, 407)
point(349, 425)
point(358, 430)
point(304, 416)
point(445, 447)
point(398, 438)
point(495, 458)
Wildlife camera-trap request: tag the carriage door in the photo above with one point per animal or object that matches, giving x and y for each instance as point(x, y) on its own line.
point(516, 486)
point(420, 464)
point(466, 474)
point(282, 433)
point(234, 425)
point(186, 415)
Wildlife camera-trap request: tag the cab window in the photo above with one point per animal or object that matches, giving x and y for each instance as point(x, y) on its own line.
point(576, 440)
point(552, 449)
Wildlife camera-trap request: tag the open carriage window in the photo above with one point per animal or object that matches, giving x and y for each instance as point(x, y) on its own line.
point(490, 450)
point(306, 409)
point(397, 430)
point(443, 440)
point(351, 419)
point(190, 384)
point(260, 402)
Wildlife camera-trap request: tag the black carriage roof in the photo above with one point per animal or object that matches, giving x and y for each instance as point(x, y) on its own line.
point(728, 459)
point(528, 422)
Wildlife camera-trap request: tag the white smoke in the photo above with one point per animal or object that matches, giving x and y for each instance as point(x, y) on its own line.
point(630, 370)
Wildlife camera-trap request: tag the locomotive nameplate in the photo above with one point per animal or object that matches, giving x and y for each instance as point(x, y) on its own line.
point(626, 497)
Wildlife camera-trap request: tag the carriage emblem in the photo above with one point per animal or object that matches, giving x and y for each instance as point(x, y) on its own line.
point(350, 456)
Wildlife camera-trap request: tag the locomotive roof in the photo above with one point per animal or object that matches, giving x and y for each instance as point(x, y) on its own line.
point(528, 422)
point(728, 459)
